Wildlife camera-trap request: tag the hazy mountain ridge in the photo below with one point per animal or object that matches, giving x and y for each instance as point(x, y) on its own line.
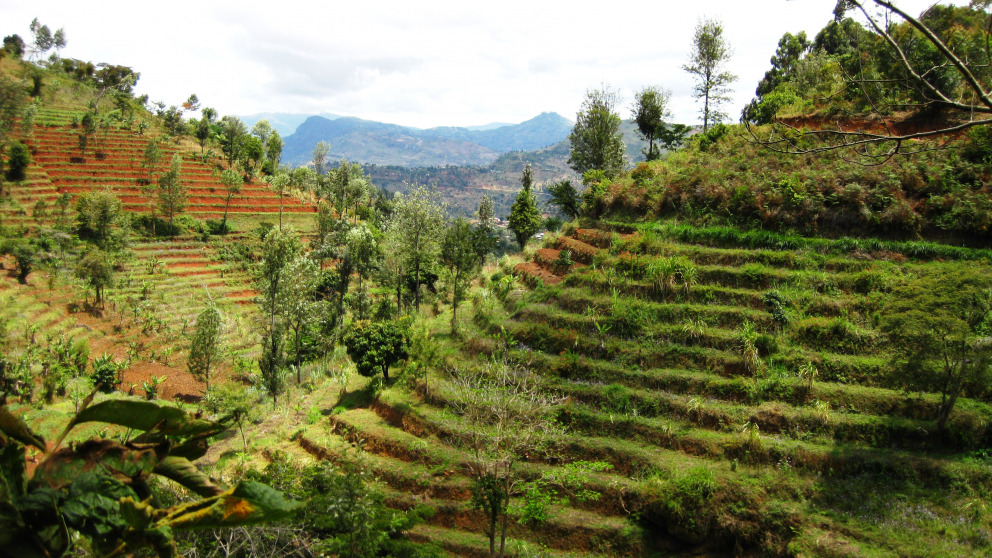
point(379, 143)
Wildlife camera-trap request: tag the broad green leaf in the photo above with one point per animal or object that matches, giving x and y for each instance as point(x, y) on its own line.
point(185, 473)
point(14, 426)
point(105, 457)
point(12, 473)
point(249, 502)
point(148, 415)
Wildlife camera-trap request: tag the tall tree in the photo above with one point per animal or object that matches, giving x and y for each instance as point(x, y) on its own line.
point(273, 151)
point(710, 54)
point(596, 140)
point(173, 196)
point(419, 220)
point(525, 219)
point(298, 301)
point(566, 197)
point(279, 248)
point(204, 127)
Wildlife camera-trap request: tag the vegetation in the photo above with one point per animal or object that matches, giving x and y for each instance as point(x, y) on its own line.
point(707, 60)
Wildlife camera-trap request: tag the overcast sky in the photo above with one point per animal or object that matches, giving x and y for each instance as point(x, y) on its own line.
point(424, 64)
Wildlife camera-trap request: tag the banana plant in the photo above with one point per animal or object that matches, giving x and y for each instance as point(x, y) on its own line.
point(98, 489)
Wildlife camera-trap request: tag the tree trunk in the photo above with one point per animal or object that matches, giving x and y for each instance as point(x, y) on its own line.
point(399, 291)
point(506, 509)
point(223, 223)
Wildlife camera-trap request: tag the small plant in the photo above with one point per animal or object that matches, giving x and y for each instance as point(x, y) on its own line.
point(563, 264)
point(751, 435)
point(808, 373)
point(151, 387)
point(106, 373)
point(694, 328)
point(747, 337)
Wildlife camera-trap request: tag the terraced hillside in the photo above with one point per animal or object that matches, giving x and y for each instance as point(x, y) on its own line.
point(114, 159)
point(804, 446)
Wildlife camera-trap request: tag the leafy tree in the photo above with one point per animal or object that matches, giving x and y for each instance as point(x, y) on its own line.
point(298, 301)
point(97, 271)
point(251, 155)
point(232, 184)
point(44, 39)
point(73, 502)
point(787, 55)
point(374, 347)
point(232, 138)
point(205, 346)
point(24, 254)
point(320, 156)
point(596, 140)
point(173, 195)
point(566, 198)
point(273, 151)
point(939, 325)
point(152, 158)
point(363, 251)
point(13, 45)
point(418, 220)
point(97, 213)
point(710, 53)
point(261, 130)
point(279, 248)
point(463, 259)
point(204, 127)
point(650, 112)
point(19, 159)
point(525, 219)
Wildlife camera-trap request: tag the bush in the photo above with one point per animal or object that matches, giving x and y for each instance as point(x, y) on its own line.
point(106, 373)
point(19, 160)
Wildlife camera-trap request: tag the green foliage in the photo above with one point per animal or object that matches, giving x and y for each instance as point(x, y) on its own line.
point(566, 198)
point(96, 270)
point(99, 215)
point(525, 219)
point(18, 159)
point(596, 140)
point(374, 347)
point(98, 489)
point(204, 348)
point(173, 193)
point(934, 323)
point(106, 373)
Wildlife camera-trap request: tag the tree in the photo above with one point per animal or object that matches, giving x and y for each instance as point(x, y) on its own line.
point(24, 254)
point(97, 271)
point(232, 131)
point(525, 219)
point(596, 140)
point(13, 45)
point(97, 213)
point(152, 157)
point(710, 53)
point(320, 156)
point(901, 77)
point(298, 301)
point(232, 184)
point(44, 39)
point(19, 159)
point(205, 346)
point(504, 415)
point(566, 198)
point(362, 250)
point(273, 151)
point(279, 248)
point(650, 111)
point(261, 130)
point(204, 127)
point(173, 195)
point(374, 347)
point(419, 220)
point(462, 257)
point(939, 326)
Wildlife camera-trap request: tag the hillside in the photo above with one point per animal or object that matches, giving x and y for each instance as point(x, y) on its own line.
point(389, 144)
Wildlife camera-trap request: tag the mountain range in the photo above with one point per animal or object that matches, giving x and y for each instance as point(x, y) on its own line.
point(379, 143)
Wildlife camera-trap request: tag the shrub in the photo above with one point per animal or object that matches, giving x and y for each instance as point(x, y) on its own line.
point(106, 373)
point(20, 158)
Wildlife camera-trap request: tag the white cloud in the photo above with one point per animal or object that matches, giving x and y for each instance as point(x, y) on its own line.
point(417, 63)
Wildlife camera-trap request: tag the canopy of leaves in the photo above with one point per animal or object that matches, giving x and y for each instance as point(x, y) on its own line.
point(374, 347)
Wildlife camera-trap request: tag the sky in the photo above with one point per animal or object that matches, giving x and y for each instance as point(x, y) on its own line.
point(419, 63)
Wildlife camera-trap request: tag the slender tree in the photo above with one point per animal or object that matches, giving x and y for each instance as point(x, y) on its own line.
point(173, 194)
point(462, 258)
point(205, 346)
point(232, 184)
point(710, 54)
